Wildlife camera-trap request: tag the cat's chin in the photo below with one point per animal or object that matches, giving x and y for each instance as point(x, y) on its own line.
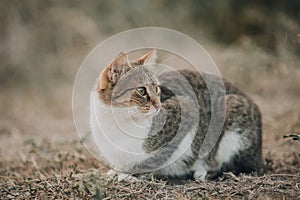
point(140, 118)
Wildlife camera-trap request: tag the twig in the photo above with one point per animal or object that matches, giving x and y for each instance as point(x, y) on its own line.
point(9, 192)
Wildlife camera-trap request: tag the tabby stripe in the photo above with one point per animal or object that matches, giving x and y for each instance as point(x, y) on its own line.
point(127, 90)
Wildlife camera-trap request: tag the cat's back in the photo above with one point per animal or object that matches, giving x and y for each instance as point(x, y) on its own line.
point(242, 122)
point(207, 86)
point(204, 85)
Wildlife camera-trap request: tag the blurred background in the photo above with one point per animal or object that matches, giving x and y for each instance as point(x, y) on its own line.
point(255, 44)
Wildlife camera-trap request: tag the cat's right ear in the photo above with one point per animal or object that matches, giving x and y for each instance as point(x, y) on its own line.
point(113, 71)
point(148, 59)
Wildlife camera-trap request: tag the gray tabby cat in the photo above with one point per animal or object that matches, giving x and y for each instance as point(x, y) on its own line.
point(136, 121)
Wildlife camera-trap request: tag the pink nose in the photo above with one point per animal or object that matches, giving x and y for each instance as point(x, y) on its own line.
point(156, 106)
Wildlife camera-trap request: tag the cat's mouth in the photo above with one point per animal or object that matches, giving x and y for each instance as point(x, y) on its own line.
point(146, 113)
point(153, 109)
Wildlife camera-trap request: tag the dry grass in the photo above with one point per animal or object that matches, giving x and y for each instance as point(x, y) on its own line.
point(66, 171)
point(41, 158)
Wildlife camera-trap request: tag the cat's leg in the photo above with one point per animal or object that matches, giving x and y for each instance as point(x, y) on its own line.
point(121, 176)
point(200, 171)
point(240, 147)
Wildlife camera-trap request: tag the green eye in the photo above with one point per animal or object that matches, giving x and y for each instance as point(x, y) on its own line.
point(141, 91)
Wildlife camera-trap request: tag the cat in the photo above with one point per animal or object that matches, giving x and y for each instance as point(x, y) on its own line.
point(137, 124)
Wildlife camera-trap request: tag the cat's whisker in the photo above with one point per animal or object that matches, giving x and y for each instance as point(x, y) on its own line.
point(133, 113)
point(124, 115)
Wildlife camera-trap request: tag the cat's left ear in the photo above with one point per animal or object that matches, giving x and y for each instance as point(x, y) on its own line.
point(113, 71)
point(147, 59)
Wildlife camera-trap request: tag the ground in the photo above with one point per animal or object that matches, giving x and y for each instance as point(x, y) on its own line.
point(42, 157)
point(256, 46)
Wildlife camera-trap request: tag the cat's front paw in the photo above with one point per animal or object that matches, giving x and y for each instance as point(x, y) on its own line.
point(200, 175)
point(121, 176)
point(127, 178)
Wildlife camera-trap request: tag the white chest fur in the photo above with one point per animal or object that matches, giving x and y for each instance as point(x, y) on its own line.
point(119, 138)
point(229, 146)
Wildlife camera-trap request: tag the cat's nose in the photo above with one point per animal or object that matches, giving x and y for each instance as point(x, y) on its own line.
point(156, 106)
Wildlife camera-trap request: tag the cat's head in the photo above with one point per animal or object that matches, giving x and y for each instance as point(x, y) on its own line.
point(125, 83)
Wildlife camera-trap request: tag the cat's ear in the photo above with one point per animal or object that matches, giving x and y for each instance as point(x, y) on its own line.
point(120, 60)
point(147, 59)
point(113, 71)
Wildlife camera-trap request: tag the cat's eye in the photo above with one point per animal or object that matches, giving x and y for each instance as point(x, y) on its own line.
point(141, 91)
